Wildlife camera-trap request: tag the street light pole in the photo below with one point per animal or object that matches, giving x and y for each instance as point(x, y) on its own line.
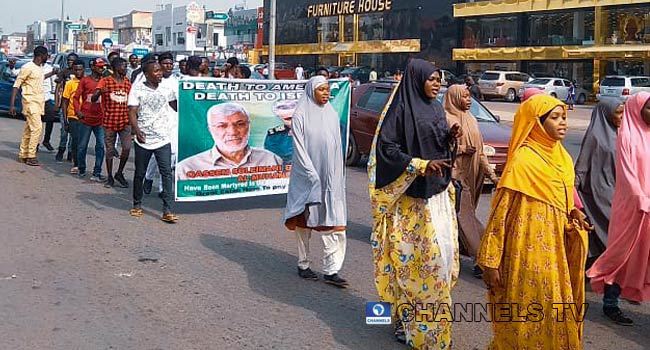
point(62, 25)
point(272, 40)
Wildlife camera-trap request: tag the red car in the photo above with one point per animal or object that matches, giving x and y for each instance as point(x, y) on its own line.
point(284, 71)
point(368, 101)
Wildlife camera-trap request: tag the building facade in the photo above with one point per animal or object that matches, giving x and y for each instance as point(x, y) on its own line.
point(134, 29)
point(53, 33)
point(377, 33)
point(582, 40)
point(36, 35)
point(173, 31)
point(98, 30)
point(14, 44)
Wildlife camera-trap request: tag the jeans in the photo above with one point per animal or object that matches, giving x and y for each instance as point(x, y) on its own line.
point(612, 293)
point(84, 138)
point(163, 158)
point(74, 140)
point(49, 126)
point(65, 138)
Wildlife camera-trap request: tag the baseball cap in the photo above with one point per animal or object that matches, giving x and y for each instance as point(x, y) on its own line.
point(99, 62)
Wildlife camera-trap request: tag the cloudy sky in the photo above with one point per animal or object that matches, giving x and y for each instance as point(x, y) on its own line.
point(24, 12)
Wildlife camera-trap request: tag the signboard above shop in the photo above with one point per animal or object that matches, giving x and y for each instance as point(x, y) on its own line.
point(348, 7)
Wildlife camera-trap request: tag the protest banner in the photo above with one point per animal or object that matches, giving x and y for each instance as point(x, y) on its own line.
point(234, 136)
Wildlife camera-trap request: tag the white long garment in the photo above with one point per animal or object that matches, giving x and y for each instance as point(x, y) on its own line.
point(317, 180)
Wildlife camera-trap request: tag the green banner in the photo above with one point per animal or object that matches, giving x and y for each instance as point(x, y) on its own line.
point(234, 136)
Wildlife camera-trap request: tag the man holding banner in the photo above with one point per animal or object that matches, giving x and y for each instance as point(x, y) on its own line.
point(229, 125)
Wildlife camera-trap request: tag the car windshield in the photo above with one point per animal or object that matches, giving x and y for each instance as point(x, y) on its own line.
point(490, 76)
point(539, 82)
point(477, 109)
point(613, 82)
point(348, 71)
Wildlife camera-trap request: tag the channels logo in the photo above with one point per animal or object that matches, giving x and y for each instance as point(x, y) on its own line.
point(378, 313)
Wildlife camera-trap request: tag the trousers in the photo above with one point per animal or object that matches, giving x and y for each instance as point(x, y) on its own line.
point(333, 252)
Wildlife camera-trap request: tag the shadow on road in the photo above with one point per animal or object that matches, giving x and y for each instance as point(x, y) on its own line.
point(340, 309)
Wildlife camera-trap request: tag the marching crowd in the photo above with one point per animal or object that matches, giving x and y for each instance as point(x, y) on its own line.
point(549, 219)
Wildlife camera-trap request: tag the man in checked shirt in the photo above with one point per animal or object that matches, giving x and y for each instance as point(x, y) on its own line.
point(114, 91)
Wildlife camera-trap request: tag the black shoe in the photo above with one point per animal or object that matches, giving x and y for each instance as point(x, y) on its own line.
point(307, 274)
point(615, 314)
point(477, 272)
point(109, 183)
point(119, 177)
point(147, 185)
point(334, 279)
point(48, 146)
point(59, 156)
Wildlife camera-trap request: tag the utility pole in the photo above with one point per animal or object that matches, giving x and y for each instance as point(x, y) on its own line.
point(62, 26)
point(272, 40)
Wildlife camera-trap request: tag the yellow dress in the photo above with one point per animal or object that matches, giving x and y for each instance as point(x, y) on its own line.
point(539, 254)
point(525, 240)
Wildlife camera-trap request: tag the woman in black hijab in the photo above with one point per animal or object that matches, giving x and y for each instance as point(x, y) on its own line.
point(415, 239)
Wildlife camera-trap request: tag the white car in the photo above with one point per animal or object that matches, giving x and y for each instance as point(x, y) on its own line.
point(556, 87)
point(623, 86)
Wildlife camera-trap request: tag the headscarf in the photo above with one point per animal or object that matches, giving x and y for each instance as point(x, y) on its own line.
point(539, 166)
point(414, 126)
point(305, 184)
point(632, 170)
point(453, 99)
point(530, 92)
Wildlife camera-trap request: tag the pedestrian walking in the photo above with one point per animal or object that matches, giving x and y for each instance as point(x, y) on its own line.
point(30, 82)
point(204, 68)
point(70, 121)
point(49, 109)
point(300, 72)
point(372, 77)
point(596, 171)
point(473, 88)
point(114, 92)
point(316, 198)
point(398, 75)
point(414, 240)
point(470, 168)
point(133, 65)
point(571, 96)
point(65, 141)
point(170, 82)
point(623, 268)
point(91, 115)
point(534, 247)
point(150, 123)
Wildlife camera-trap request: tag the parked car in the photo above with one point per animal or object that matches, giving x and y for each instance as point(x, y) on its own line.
point(7, 85)
point(448, 78)
point(334, 69)
point(369, 100)
point(556, 87)
point(502, 84)
point(284, 71)
point(360, 74)
point(623, 86)
point(3, 57)
point(59, 60)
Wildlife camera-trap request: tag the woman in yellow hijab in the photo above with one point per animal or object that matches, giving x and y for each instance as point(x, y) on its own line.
point(534, 247)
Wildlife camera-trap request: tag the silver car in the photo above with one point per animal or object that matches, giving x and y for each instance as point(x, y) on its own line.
point(623, 86)
point(556, 87)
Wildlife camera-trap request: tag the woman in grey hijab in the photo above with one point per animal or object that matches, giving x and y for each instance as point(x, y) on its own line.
point(316, 198)
point(596, 170)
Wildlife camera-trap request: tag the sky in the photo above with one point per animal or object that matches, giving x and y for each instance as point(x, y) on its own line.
point(25, 12)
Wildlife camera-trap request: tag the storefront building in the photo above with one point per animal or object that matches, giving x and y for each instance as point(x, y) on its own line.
point(382, 34)
point(582, 40)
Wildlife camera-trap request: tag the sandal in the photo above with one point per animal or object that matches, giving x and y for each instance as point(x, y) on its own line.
point(136, 212)
point(169, 218)
point(74, 170)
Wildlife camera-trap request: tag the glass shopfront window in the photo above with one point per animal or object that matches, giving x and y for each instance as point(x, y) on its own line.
point(371, 27)
point(627, 25)
point(348, 28)
point(328, 29)
point(490, 32)
point(556, 29)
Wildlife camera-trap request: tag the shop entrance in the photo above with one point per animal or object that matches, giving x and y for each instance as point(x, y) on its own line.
point(347, 59)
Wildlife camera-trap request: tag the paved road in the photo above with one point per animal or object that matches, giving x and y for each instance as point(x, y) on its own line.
point(88, 276)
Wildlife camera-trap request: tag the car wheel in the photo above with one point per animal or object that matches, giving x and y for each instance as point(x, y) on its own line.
point(554, 95)
point(582, 99)
point(511, 95)
point(352, 155)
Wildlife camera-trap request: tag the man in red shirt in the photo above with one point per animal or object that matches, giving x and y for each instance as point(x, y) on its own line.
point(90, 115)
point(114, 93)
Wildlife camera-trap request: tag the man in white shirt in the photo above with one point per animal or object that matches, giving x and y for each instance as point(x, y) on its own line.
point(150, 122)
point(50, 115)
point(300, 72)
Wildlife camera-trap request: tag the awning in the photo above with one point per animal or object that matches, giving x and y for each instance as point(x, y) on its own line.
point(610, 48)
